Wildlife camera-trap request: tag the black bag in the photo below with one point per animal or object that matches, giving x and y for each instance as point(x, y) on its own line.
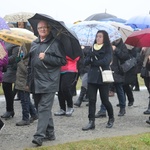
point(4, 68)
point(128, 64)
point(144, 72)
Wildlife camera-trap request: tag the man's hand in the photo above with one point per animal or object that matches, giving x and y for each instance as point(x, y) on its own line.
point(113, 47)
point(41, 56)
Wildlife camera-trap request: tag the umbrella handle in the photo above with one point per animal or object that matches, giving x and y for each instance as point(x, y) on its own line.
point(49, 46)
point(46, 51)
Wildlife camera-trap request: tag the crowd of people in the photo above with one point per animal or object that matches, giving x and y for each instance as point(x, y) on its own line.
point(31, 70)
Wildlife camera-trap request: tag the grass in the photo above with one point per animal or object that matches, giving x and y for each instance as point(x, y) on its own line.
point(133, 142)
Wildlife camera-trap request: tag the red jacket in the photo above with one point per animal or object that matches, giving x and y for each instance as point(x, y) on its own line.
point(71, 65)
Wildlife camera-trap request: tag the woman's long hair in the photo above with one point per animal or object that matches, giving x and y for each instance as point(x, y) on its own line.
point(105, 37)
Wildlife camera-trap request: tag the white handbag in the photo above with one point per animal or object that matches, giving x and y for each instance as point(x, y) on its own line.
point(107, 75)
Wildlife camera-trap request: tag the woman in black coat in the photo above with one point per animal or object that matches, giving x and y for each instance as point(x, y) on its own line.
point(9, 78)
point(120, 55)
point(99, 56)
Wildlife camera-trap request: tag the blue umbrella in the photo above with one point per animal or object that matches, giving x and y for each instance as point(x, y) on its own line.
point(139, 22)
point(115, 20)
point(86, 31)
point(3, 24)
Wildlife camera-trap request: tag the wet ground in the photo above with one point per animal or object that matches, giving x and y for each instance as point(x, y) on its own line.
point(70, 128)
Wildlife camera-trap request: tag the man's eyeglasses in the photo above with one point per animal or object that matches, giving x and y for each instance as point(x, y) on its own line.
point(44, 28)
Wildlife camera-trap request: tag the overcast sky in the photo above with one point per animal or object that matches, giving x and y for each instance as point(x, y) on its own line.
point(70, 11)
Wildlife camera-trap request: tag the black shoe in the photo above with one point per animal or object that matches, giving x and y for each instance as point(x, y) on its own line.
point(147, 112)
point(118, 105)
point(130, 104)
point(122, 112)
point(49, 137)
point(8, 114)
point(148, 121)
point(33, 118)
point(78, 102)
point(85, 99)
point(100, 114)
point(87, 104)
point(89, 126)
point(1, 124)
point(37, 141)
point(110, 123)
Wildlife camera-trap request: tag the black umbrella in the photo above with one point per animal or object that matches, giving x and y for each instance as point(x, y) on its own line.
point(99, 16)
point(60, 31)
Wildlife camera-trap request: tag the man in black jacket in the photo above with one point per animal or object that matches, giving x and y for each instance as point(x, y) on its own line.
point(46, 58)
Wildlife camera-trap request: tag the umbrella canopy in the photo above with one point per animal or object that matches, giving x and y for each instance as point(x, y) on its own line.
point(139, 21)
point(86, 31)
point(114, 20)
point(139, 38)
point(18, 17)
point(17, 36)
point(60, 31)
point(3, 24)
point(2, 51)
point(124, 30)
point(99, 16)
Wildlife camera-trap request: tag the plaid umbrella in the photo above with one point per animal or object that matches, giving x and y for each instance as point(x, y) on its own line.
point(86, 31)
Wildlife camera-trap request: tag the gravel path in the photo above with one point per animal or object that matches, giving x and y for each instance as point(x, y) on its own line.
point(69, 128)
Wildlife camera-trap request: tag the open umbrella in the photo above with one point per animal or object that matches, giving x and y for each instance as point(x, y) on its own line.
point(3, 24)
point(139, 21)
point(86, 31)
point(114, 19)
point(139, 38)
point(18, 17)
point(60, 31)
point(17, 36)
point(2, 51)
point(99, 16)
point(124, 30)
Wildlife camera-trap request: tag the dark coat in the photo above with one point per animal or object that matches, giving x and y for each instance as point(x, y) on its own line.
point(21, 75)
point(10, 75)
point(44, 76)
point(104, 57)
point(119, 54)
point(82, 68)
